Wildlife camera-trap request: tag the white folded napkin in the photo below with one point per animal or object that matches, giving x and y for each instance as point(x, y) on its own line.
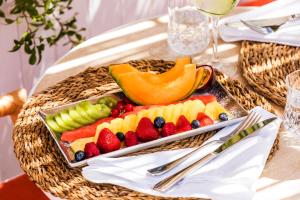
point(229, 176)
point(289, 34)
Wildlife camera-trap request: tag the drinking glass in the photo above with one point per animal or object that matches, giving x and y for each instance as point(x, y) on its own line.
point(188, 30)
point(215, 9)
point(292, 107)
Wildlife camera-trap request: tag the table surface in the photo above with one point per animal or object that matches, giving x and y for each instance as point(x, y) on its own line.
point(147, 39)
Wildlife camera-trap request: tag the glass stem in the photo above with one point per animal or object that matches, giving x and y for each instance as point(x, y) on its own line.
point(215, 34)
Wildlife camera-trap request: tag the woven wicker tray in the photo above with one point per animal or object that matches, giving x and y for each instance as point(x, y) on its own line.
point(41, 159)
point(265, 66)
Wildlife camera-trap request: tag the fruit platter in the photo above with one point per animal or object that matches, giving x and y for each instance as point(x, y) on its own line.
point(149, 110)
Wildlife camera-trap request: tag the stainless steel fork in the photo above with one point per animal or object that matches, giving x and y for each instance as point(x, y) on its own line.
point(251, 119)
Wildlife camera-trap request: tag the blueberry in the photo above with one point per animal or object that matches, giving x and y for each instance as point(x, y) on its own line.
point(79, 156)
point(120, 136)
point(195, 124)
point(159, 122)
point(223, 116)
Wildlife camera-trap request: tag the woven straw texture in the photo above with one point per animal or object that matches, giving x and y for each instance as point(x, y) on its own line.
point(265, 66)
point(41, 159)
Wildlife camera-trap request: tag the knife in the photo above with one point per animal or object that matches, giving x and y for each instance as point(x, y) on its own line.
point(278, 21)
point(170, 181)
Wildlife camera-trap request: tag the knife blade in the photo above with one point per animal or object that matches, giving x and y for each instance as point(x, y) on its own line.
point(170, 181)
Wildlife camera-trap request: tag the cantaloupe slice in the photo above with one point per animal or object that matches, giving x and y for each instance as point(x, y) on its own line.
point(140, 90)
point(170, 75)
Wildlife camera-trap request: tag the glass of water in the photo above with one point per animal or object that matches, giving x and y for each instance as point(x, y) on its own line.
point(292, 108)
point(188, 30)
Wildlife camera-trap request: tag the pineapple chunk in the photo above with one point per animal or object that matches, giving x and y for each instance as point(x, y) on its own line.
point(187, 107)
point(129, 123)
point(151, 114)
point(99, 128)
point(214, 109)
point(168, 112)
point(78, 145)
point(196, 107)
point(177, 112)
point(116, 125)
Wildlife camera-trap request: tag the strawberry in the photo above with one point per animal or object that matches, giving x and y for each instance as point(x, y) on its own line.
point(204, 119)
point(183, 124)
point(146, 131)
point(91, 150)
point(131, 139)
point(108, 141)
point(168, 129)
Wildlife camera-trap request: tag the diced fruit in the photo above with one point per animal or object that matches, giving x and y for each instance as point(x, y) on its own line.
point(168, 112)
point(131, 139)
point(95, 111)
point(213, 110)
point(223, 116)
point(68, 120)
point(177, 111)
point(83, 132)
point(120, 136)
point(79, 144)
point(81, 111)
point(168, 129)
point(108, 141)
point(99, 128)
point(195, 124)
point(91, 150)
point(61, 123)
point(183, 124)
point(79, 156)
point(116, 125)
point(77, 117)
point(109, 101)
point(159, 122)
point(140, 89)
point(128, 107)
point(53, 125)
point(196, 107)
point(130, 122)
point(115, 112)
point(204, 98)
point(204, 120)
point(120, 105)
point(146, 130)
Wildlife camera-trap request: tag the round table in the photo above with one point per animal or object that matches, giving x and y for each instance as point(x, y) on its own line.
point(147, 39)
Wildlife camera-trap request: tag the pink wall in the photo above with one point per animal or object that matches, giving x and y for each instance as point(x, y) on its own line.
point(97, 16)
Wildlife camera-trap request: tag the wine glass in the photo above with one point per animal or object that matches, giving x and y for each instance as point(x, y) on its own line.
point(215, 9)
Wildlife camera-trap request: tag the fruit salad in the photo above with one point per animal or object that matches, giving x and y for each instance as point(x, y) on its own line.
point(152, 106)
point(128, 124)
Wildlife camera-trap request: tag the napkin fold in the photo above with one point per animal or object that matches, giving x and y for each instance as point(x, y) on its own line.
point(288, 34)
point(229, 176)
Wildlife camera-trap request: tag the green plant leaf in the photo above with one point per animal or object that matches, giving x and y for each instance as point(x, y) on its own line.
point(9, 21)
point(15, 48)
point(2, 14)
point(32, 59)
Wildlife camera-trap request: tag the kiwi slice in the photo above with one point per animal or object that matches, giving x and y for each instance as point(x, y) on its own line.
point(53, 125)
